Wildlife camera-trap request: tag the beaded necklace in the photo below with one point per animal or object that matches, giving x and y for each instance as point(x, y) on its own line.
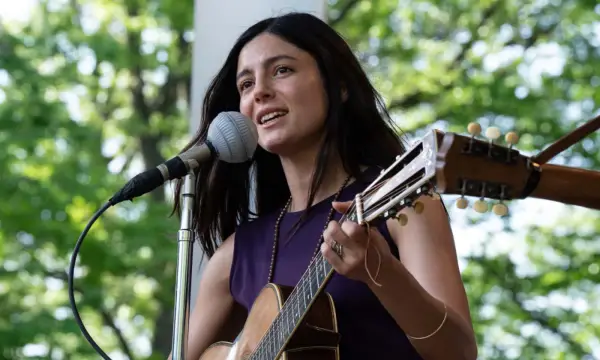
point(277, 223)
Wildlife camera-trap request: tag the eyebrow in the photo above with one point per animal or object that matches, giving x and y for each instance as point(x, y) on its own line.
point(266, 63)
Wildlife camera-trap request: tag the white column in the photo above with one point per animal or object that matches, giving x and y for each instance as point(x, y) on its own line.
point(217, 24)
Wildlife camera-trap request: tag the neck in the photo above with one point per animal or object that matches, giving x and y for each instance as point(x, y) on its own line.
point(299, 170)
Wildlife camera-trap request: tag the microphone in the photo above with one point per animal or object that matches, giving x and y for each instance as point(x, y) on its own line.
point(232, 137)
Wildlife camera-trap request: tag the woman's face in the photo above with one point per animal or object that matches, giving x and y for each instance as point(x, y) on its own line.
point(282, 91)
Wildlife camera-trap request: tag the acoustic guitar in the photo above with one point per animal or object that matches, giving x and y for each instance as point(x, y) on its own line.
point(300, 323)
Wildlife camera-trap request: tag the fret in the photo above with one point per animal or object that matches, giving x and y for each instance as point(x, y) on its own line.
point(302, 292)
point(289, 324)
point(318, 275)
point(307, 292)
point(271, 342)
point(314, 284)
point(310, 282)
point(258, 353)
point(261, 354)
point(294, 308)
point(297, 307)
point(279, 328)
point(323, 272)
point(276, 335)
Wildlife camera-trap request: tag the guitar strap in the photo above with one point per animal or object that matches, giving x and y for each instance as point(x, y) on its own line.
point(566, 141)
point(536, 162)
point(535, 173)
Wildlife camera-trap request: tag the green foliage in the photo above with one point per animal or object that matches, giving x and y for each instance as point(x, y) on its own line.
point(91, 91)
point(82, 96)
point(527, 68)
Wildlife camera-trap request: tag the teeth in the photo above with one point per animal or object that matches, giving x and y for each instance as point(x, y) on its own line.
point(271, 116)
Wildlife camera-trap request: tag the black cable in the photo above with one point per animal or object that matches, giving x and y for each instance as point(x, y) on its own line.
point(71, 277)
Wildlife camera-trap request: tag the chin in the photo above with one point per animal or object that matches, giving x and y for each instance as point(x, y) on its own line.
point(278, 147)
point(287, 145)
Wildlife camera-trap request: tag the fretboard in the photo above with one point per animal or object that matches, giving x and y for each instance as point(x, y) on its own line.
point(296, 306)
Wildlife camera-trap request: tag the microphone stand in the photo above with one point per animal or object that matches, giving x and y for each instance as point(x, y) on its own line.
point(185, 240)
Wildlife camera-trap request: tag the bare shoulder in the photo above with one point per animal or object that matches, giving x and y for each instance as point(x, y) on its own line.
point(226, 249)
point(219, 265)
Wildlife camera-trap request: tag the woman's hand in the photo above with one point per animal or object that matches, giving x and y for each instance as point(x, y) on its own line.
point(354, 251)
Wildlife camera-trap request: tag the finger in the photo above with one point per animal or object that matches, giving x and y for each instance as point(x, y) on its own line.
point(354, 232)
point(333, 258)
point(341, 207)
point(334, 232)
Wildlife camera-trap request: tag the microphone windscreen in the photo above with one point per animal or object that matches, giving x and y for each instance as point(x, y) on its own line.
point(234, 136)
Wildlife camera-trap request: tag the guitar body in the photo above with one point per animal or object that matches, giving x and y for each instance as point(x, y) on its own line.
point(316, 337)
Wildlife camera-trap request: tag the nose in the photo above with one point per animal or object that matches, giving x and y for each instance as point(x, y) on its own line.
point(262, 91)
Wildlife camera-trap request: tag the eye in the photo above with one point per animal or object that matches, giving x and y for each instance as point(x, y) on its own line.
point(245, 84)
point(282, 70)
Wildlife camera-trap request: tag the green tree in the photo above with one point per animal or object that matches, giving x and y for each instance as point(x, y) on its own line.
point(523, 67)
point(93, 91)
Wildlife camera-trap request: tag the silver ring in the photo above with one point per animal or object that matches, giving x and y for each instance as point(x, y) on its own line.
point(338, 249)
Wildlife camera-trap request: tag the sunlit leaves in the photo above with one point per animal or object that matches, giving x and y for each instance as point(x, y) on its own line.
point(81, 85)
point(520, 66)
point(67, 80)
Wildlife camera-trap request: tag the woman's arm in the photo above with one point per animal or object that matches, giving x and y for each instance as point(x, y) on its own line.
point(214, 303)
point(415, 289)
point(422, 291)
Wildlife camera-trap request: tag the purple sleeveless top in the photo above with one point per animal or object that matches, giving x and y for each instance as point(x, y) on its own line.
point(367, 330)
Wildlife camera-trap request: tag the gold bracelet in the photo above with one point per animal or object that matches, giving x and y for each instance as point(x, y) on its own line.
point(436, 330)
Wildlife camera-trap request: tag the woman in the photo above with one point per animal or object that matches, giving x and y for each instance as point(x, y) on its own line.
point(323, 136)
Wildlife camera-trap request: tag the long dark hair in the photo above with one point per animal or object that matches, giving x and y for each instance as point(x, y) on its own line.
point(358, 127)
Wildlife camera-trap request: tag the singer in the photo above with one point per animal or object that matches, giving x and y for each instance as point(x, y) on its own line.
point(323, 136)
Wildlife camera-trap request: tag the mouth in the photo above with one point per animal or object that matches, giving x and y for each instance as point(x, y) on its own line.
point(265, 119)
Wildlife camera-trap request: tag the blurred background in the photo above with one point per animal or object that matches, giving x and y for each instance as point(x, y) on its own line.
point(94, 91)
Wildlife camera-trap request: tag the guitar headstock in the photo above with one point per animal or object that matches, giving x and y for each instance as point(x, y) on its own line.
point(468, 166)
point(400, 185)
point(447, 163)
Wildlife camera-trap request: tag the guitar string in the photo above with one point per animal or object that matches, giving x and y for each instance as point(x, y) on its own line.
point(350, 211)
point(294, 299)
point(394, 193)
point(318, 258)
point(293, 295)
point(344, 217)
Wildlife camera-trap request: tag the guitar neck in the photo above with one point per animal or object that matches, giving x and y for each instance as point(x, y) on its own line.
point(295, 308)
point(568, 185)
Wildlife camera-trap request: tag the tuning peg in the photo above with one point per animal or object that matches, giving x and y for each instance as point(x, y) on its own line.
point(474, 129)
point(511, 138)
point(492, 133)
point(402, 219)
point(418, 207)
point(500, 209)
point(480, 206)
point(462, 203)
